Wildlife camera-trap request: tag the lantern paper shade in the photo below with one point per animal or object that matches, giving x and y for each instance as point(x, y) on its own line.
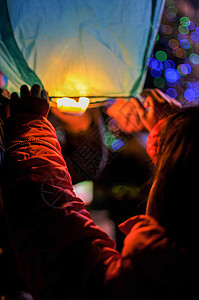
point(78, 47)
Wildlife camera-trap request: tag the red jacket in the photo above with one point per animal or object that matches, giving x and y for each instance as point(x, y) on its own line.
point(61, 253)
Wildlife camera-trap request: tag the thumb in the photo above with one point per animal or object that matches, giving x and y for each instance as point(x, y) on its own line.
point(145, 111)
point(138, 106)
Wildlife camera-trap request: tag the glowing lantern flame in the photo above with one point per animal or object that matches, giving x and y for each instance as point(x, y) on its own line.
point(70, 106)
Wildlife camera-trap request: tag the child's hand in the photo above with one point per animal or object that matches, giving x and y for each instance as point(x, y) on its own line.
point(125, 115)
point(35, 101)
point(157, 105)
point(74, 123)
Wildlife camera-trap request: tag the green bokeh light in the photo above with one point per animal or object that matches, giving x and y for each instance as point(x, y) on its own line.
point(183, 29)
point(161, 56)
point(157, 37)
point(184, 21)
point(159, 82)
point(172, 10)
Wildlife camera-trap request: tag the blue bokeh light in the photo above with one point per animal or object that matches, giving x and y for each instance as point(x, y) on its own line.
point(171, 92)
point(194, 37)
point(152, 63)
point(185, 69)
point(182, 37)
point(160, 65)
point(184, 44)
point(189, 95)
point(190, 25)
point(117, 144)
point(156, 72)
point(172, 75)
point(197, 30)
point(169, 64)
point(171, 84)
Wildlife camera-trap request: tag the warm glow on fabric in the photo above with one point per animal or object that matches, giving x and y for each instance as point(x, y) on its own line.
point(78, 48)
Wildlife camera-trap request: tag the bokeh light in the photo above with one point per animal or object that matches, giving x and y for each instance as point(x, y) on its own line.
point(159, 82)
point(161, 55)
point(169, 64)
point(172, 12)
point(180, 53)
point(190, 25)
point(189, 95)
point(174, 67)
point(172, 75)
point(184, 69)
point(183, 29)
point(156, 72)
point(171, 92)
point(167, 29)
point(3, 80)
point(117, 144)
point(174, 44)
point(184, 20)
point(197, 30)
point(194, 38)
point(157, 38)
point(152, 63)
point(194, 58)
point(184, 43)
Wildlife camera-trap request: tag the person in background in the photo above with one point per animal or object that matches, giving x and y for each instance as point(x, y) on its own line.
point(82, 143)
point(61, 253)
point(89, 156)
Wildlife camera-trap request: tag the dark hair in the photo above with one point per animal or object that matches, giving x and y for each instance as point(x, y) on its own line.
point(175, 196)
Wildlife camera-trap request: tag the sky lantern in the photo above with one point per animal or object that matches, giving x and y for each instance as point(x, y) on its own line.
point(78, 48)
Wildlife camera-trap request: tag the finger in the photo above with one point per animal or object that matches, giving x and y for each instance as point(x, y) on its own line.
point(119, 112)
point(14, 97)
point(158, 96)
point(44, 95)
point(146, 92)
point(128, 123)
point(36, 91)
point(154, 93)
point(149, 104)
point(113, 109)
point(14, 104)
point(24, 91)
point(168, 99)
point(145, 114)
point(164, 98)
point(138, 106)
point(131, 121)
